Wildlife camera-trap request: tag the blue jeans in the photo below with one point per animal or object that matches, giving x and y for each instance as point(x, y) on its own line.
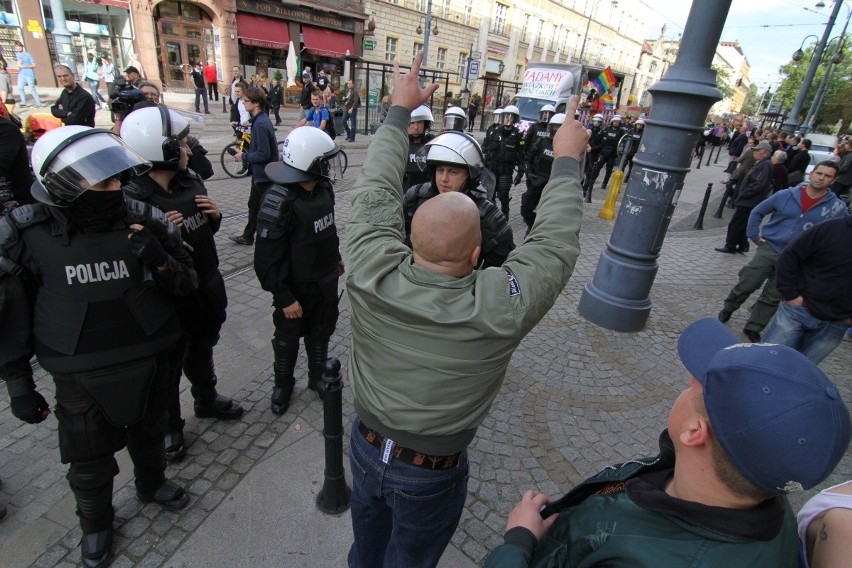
point(795, 327)
point(402, 515)
point(349, 120)
point(24, 81)
point(93, 88)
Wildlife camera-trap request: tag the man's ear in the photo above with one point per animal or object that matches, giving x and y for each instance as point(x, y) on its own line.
point(697, 432)
point(474, 256)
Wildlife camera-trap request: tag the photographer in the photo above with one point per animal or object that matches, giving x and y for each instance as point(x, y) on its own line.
point(124, 96)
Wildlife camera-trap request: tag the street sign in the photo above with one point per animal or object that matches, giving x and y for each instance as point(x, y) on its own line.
point(476, 55)
point(369, 44)
point(473, 69)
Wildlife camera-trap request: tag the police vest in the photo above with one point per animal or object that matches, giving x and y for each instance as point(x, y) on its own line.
point(507, 150)
point(93, 308)
point(196, 228)
point(313, 241)
point(413, 174)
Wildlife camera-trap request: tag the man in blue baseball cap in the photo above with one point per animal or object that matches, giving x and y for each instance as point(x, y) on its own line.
point(757, 421)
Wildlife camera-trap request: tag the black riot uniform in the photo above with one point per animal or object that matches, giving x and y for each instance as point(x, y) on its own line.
point(635, 140)
point(504, 151)
point(98, 313)
point(413, 173)
point(539, 164)
point(297, 259)
point(497, 240)
point(609, 152)
point(203, 312)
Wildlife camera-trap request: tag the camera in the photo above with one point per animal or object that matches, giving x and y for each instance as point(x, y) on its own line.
point(124, 97)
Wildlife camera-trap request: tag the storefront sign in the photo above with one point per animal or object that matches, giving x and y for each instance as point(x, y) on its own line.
point(297, 15)
point(369, 44)
point(498, 51)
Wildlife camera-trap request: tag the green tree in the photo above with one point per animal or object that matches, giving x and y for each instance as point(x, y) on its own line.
point(835, 105)
point(752, 101)
point(722, 77)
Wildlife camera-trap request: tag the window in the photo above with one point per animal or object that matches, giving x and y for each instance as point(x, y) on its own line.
point(501, 13)
point(390, 49)
point(418, 47)
point(519, 72)
point(468, 12)
point(445, 9)
point(462, 64)
point(526, 28)
point(540, 34)
point(442, 57)
point(420, 5)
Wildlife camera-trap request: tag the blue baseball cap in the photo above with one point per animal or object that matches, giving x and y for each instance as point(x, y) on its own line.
point(778, 417)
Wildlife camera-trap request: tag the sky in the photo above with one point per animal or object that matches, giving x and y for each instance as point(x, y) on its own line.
point(769, 31)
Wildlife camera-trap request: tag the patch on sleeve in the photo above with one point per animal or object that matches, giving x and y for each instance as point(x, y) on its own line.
point(514, 287)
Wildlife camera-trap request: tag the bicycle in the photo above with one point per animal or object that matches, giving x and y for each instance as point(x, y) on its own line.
point(232, 167)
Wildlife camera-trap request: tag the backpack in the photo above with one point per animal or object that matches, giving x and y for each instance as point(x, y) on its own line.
point(329, 125)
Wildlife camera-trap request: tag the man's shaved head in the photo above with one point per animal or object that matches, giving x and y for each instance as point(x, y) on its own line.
point(445, 232)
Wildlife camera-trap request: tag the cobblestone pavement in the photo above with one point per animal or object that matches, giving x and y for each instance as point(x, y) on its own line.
point(576, 397)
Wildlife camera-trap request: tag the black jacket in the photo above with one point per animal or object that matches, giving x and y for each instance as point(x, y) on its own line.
point(76, 107)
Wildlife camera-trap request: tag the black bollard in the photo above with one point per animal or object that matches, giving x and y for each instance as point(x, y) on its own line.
point(700, 157)
point(334, 497)
point(729, 189)
point(699, 224)
point(223, 105)
point(716, 161)
point(709, 155)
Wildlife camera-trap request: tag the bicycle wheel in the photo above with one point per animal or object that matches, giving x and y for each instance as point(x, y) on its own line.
point(232, 167)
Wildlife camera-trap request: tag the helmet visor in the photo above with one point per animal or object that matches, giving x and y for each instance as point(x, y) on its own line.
point(71, 174)
point(454, 122)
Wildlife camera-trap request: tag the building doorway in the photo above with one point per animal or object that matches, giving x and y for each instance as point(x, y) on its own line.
point(185, 35)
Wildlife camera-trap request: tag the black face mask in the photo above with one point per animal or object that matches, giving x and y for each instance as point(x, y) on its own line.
point(97, 211)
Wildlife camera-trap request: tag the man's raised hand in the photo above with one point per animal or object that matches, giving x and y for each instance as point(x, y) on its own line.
point(406, 88)
point(572, 137)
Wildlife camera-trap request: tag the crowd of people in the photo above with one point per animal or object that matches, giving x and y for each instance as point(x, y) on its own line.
point(109, 276)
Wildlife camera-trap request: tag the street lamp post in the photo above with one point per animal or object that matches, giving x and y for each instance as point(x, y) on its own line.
point(792, 122)
point(618, 296)
point(588, 25)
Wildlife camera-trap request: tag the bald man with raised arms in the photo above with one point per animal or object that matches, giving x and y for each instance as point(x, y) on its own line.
point(432, 337)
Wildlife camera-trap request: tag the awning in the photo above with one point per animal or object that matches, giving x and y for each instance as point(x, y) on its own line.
point(262, 32)
point(114, 3)
point(327, 43)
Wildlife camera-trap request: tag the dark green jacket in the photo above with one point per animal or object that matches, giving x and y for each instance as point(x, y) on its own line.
point(622, 517)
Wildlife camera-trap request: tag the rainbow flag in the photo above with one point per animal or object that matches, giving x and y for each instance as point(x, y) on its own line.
point(605, 81)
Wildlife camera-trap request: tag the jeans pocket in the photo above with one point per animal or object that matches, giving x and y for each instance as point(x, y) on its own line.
point(425, 511)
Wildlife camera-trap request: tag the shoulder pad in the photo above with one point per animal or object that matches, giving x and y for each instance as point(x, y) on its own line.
point(26, 215)
point(495, 227)
point(136, 190)
point(275, 213)
point(424, 190)
point(8, 234)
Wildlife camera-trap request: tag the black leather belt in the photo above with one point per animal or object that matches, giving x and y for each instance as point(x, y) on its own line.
point(404, 454)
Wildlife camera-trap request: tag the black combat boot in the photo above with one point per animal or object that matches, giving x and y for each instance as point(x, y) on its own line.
point(317, 352)
point(286, 351)
point(199, 370)
point(92, 484)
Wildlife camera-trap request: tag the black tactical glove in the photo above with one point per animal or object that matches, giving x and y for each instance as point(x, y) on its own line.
point(29, 407)
point(518, 177)
point(145, 246)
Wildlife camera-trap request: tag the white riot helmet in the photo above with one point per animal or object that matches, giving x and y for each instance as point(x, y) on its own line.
point(546, 113)
point(307, 155)
point(422, 113)
point(453, 147)
point(640, 122)
point(155, 133)
point(615, 118)
point(495, 116)
point(455, 119)
point(68, 161)
point(598, 118)
point(554, 123)
point(510, 115)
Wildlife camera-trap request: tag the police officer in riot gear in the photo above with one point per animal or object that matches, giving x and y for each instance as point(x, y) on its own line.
point(504, 151)
point(636, 138)
point(297, 256)
point(455, 119)
point(454, 162)
point(540, 128)
point(495, 123)
point(609, 152)
point(539, 164)
point(161, 136)
point(87, 280)
point(418, 135)
point(596, 143)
